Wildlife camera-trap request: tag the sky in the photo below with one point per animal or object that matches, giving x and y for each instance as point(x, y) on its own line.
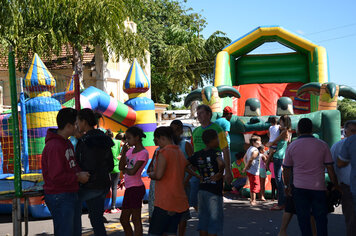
point(328, 23)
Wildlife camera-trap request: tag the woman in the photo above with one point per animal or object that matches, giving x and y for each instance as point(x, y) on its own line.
point(94, 155)
point(281, 141)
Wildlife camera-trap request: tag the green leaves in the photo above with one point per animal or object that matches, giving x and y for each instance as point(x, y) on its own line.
point(180, 57)
point(347, 108)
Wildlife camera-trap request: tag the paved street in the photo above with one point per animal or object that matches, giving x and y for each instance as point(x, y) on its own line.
point(240, 219)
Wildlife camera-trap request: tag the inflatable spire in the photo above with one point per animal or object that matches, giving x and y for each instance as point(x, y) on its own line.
point(38, 80)
point(136, 82)
point(70, 86)
point(135, 85)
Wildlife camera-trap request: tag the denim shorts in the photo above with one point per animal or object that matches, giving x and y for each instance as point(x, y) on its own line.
point(210, 213)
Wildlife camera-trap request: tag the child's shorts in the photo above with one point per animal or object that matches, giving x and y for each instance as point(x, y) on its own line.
point(163, 221)
point(254, 182)
point(210, 212)
point(133, 197)
point(262, 172)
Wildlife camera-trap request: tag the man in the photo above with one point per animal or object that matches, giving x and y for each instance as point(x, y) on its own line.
point(343, 175)
point(204, 115)
point(308, 156)
point(347, 156)
point(61, 175)
point(224, 122)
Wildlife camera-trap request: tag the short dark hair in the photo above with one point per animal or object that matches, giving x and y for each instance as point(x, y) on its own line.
point(66, 116)
point(164, 131)
point(240, 155)
point(272, 120)
point(209, 135)
point(136, 131)
point(205, 107)
point(177, 123)
point(261, 148)
point(120, 136)
point(348, 123)
point(254, 138)
point(305, 126)
point(89, 116)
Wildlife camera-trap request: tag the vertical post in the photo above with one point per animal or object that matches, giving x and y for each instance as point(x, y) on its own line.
point(25, 162)
point(15, 125)
point(77, 91)
point(16, 206)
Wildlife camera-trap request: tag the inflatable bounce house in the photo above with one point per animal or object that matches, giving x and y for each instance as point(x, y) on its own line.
point(260, 86)
point(39, 111)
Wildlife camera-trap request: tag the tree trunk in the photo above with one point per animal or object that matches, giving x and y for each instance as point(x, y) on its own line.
point(195, 104)
point(78, 63)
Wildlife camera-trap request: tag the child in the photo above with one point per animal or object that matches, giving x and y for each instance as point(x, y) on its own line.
point(273, 133)
point(263, 159)
point(273, 181)
point(132, 162)
point(210, 165)
point(170, 198)
point(115, 174)
point(239, 178)
point(253, 167)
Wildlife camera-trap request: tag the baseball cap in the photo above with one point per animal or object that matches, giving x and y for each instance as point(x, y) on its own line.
point(227, 110)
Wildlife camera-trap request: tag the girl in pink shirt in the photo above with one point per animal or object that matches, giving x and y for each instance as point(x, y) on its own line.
point(132, 162)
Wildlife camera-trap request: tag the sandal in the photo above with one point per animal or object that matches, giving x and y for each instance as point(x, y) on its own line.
point(277, 208)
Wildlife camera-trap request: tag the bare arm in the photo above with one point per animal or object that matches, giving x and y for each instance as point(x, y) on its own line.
point(221, 166)
point(340, 163)
point(227, 160)
point(160, 168)
point(189, 149)
point(123, 161)
point(134, 169)
point(281, 136)
point(332, 174)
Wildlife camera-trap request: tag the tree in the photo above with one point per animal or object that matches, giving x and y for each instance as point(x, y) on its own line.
point(45, 26)
point(347, 108)
point(181, 58)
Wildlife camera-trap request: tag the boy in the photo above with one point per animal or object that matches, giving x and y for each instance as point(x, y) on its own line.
point(210, 166)
point(61, 175)
point(253, 167)
point(239, 178)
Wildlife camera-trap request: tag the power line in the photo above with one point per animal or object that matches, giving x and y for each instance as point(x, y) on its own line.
point(331, 29)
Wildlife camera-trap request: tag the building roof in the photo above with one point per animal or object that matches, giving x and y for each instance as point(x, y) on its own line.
point(62, 61)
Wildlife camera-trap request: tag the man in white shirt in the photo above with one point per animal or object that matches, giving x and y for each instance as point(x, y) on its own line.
point(343, 175)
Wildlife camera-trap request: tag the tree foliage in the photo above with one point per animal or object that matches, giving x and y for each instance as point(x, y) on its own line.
point(347, 108)
point(180, 57)
point(44, 26)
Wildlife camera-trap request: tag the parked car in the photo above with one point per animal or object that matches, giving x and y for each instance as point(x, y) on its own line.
point(187, 131)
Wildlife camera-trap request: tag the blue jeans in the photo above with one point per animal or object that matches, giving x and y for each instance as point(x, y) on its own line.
point(277, 164)
point(95, 199)
point(194, 188)
point(64, 208)
point(354, 199)
point(210, 212)
point(311, 201)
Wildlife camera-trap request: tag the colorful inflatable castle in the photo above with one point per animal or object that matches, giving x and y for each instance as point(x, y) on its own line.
point(39, 111)
point(267, 85)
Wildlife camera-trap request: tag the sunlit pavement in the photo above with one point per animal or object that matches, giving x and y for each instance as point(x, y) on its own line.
point(239, 219)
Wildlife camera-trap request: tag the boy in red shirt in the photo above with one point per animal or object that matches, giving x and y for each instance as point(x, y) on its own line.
point(61, 175)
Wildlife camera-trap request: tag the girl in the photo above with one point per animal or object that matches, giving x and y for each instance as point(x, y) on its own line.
point(263, 159)
point(281, 141)
point(94, 155)
point(132, 162)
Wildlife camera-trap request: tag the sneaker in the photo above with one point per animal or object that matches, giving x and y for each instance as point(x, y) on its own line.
point(113, 211)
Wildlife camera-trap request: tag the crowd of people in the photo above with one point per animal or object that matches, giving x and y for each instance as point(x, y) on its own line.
point(193, 173)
